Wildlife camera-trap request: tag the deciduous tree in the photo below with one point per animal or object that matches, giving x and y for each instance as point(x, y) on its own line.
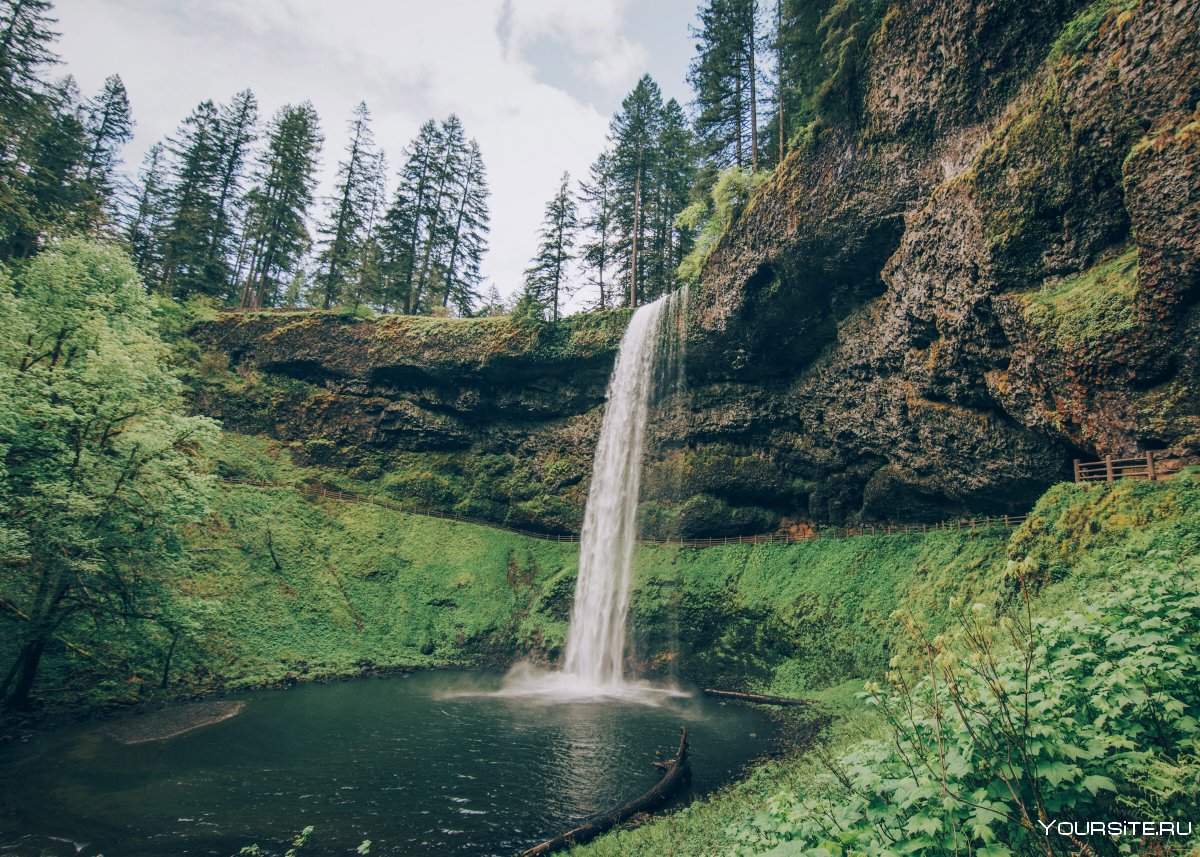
point(99, 466)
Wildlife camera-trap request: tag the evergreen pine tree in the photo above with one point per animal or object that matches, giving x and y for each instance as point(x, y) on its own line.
point(468, 238)
point(42, 143)
point(236, 131)
point(493, 304)
point(598, 195)
point(436, 214)
point(367, 287)
point(276, 223)
point(724, 77)
point(149, 214)
point(26, 36)
point(57, 148)
point(434, 233)
point(804, 62)
point(402, 228)
point(341, 235)
point(192, 203)
point(633, 134)
point(545, 278)
point(108, 126)
point(673, 177)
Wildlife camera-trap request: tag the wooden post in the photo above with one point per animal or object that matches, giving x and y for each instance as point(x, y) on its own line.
point(1078, 475)
point(1108, 467)
point(1151, 473)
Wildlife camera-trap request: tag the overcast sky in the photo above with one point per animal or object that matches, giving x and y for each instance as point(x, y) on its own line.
point(534, 81)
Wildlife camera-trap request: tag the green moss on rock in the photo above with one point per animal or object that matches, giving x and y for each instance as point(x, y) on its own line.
point(1088, 313)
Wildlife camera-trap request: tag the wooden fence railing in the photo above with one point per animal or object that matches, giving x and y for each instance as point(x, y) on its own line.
point(763, 538)
point(1110, 469)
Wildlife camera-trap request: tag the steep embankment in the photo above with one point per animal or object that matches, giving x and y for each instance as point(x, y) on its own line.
point(287, 588)
point(993, 269)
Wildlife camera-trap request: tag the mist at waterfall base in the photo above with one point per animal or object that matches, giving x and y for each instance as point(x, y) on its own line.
point(649, 363)
point(428, 764)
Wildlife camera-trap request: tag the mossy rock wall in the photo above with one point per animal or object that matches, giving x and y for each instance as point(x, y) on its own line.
point(285, 588)
point(494, 418)
point(931, 312)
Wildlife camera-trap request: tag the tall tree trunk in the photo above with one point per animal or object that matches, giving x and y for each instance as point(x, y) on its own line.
point(433, 227)
point(740, 105)
point(558, 262)
point(24, 672)
point(166, 673)
point(462, 208)
point(779, 69)
point(637, 232)
point(753, 94)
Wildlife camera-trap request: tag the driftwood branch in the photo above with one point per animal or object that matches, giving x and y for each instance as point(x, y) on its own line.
point(754, 697)
point(677, 773)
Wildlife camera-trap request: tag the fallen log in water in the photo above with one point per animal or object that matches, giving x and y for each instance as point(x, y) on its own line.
point(754, 697)
point(675, 774)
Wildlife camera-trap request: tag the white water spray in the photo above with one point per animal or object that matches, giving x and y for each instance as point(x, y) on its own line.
point(595, 652)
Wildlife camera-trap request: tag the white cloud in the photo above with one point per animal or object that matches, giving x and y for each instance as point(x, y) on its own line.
point(592, 31)
point(409, 61)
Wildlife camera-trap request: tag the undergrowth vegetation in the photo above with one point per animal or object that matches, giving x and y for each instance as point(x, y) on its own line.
point(1006, 731)
point(1055, 680)
point(1086, 312)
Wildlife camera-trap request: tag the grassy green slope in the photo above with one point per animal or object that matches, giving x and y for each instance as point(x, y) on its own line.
point(283, 587)
point(1079, 542)
point(789, 619)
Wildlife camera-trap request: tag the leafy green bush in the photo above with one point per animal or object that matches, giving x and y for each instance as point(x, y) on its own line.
point(355, 311)
point(1014, 723)
point(100, 469)
point(730, 194)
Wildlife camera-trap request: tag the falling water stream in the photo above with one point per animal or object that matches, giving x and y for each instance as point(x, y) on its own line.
point(648, 362)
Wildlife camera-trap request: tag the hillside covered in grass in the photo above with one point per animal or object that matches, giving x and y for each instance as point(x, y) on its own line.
point(283, 587)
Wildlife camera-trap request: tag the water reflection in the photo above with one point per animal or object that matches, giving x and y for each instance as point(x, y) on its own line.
point(419, 765)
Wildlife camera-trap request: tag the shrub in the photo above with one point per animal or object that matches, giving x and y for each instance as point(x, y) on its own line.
point(1007, 725)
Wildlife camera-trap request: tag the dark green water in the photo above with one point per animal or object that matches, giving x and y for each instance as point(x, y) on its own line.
point(396, 761)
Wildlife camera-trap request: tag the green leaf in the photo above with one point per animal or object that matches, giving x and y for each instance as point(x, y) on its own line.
point(1096, 782)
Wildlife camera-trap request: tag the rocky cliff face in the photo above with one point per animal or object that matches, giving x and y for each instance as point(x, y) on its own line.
point(995, 273)
point(929, 309)
point(492, 418)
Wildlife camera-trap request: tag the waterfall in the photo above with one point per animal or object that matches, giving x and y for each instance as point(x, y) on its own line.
point(596, 635)
point(649, 364)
